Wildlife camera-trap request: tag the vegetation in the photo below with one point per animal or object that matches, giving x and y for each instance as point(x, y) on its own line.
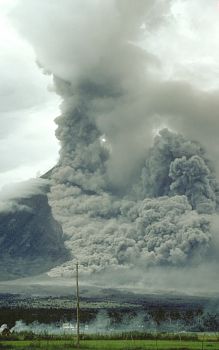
point(122, 341)
point(162, 324)
point(134, 344)
point(110, 336)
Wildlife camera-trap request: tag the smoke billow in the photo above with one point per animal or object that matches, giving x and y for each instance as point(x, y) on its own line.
point(164, 218)
point(123, 197)
point(177, 166)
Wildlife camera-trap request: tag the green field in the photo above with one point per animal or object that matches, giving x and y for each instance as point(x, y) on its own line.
point(109, 344)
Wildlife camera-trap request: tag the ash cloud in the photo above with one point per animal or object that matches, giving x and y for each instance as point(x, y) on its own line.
point(122, 200)
point(177, 166)
point(144, 226)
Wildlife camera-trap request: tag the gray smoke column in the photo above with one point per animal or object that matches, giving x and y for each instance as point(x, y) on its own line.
point(176, 165)
point(121, 200)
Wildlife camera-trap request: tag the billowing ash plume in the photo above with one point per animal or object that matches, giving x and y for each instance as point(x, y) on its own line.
point(121, 201)
point(176, 166)
point(163, 219)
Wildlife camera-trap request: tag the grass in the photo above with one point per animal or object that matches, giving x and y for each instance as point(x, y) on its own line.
point(109, 345)
point(113, 336)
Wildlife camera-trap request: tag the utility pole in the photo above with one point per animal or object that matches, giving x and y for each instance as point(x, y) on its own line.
point(78, 307)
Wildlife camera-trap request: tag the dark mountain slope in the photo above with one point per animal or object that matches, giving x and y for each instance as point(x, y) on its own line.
point(31, 240)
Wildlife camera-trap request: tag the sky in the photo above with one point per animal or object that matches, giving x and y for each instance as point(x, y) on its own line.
point(187, 46)
point(27, 107)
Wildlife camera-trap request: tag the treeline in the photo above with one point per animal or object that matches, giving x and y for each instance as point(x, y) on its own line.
point(43, 315)
point(159, 319)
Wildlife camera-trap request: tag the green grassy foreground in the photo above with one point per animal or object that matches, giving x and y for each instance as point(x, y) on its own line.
point(109, 345)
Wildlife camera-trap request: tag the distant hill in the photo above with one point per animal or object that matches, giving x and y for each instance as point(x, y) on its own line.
point(31, 240)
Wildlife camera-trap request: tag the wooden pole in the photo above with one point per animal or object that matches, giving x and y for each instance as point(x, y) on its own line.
point(78, 307)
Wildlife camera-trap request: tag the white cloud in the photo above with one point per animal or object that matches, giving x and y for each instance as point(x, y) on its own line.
point(27, 108)
point(187, 45)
